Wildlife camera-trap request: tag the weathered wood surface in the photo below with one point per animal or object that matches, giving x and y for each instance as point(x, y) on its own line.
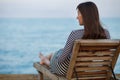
point(26, 77)
point(19, 77)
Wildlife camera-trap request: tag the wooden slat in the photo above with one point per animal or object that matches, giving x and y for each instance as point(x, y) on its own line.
point(98, 42)
point(95, 75)
point(94, 58)
point(116, 56)
point(92, 68)
point(92, 63)
point(93, 78)
point(97, 47)
point(90, 73)
point(98, 53)
point(72, 61)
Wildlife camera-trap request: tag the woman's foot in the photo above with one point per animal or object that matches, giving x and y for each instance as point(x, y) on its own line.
point(44, 60)
point(49, 56)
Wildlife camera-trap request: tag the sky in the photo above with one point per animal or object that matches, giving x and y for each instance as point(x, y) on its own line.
point(54, 8)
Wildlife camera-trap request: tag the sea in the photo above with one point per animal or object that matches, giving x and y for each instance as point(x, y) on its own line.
point(22, 39)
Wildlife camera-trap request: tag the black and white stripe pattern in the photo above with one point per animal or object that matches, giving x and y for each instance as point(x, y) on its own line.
point(60, 61)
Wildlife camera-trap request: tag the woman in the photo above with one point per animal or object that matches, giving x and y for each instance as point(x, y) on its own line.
point(89, 17)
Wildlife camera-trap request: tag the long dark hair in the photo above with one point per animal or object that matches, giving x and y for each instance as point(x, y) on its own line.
point(92, 26)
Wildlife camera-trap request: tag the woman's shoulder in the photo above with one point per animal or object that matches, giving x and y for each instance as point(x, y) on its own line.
point(78, 31)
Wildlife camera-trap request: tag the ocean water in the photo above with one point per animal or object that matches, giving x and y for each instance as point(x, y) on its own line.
point(22, 39)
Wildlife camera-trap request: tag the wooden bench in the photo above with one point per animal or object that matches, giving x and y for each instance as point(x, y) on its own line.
point(90, 60)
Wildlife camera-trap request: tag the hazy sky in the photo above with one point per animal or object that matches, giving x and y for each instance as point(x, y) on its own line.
point(54, 8)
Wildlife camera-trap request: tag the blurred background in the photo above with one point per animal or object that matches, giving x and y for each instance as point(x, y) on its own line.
point(28, 27)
